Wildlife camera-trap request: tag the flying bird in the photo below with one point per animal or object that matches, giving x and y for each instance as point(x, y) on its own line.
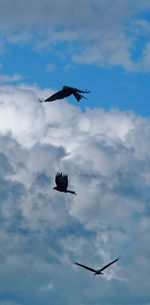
point(65, 92)
point(99, 271)
point(62, 183)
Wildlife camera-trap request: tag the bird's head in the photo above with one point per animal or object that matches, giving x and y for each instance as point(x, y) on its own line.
point(55, 188)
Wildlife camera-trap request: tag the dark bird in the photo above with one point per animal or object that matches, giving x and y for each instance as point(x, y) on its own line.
point(99, 271)
point(65, 92)
point(62, 183)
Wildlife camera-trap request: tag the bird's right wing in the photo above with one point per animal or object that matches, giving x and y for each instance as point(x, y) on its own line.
point(88, 268)
point(56, 96)
point(103, 268)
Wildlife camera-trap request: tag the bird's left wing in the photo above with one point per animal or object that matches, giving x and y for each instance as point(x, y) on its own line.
point(56, 96)
point(108, 265)
point(88, 268)
point(59, 179)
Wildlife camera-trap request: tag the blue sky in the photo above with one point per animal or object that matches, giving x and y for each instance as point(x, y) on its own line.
point(111, 87)
point(103, 143)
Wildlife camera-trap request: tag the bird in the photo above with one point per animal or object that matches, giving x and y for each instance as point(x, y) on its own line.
point(97, 271)
point(65, 92)
point(62, 183)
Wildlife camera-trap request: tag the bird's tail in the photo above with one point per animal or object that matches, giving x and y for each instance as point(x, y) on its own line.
point(83, 91)
point(72, 192)
point(78, 96)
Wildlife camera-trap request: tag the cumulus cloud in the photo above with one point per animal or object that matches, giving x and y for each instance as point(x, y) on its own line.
point(43, 231)
point(102, 32)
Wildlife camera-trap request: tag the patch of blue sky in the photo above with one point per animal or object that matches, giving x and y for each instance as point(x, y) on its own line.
point(75, 227)
point(110, 87)
point(140, 32)
point(114, 88)
point(139, 47)
point(145, 14)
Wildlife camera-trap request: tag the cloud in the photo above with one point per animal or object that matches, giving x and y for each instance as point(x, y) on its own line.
point(105, 33)
point(4, 79)
point(43, 231)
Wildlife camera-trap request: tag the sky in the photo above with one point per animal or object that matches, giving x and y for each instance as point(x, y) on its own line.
point(102, 143)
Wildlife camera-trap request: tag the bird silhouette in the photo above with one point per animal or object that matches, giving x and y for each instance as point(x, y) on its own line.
point(62, 183)
point(65, 92)
point(97, 271)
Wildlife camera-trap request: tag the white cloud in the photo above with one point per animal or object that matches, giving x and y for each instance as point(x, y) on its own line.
point(43, 231)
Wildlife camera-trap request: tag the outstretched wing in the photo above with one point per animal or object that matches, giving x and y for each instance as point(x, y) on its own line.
point(61, 181)
point(108, 264)
point(88, 268)
point(57, 96)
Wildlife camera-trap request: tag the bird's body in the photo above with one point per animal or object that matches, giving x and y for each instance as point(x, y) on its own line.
point(62, 183)
point(65, 92)
point(97, 271)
